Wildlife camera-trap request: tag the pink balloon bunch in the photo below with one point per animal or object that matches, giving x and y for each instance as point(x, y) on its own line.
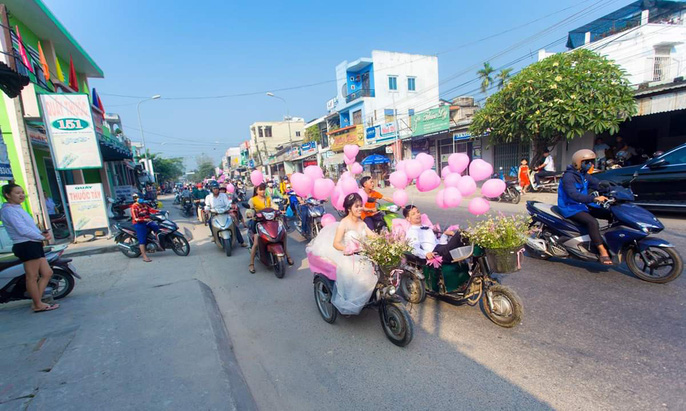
point(493, 188)
point(356, 168)
point(256, 177)
point(322, 188)
point(314, 172)
point(350, 152)
point(302, 184)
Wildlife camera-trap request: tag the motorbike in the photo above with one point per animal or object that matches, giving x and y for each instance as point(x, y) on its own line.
point(187, 206)
point(512, 193)
point(13, 277)
point(271, 235)
point(60, 229)
point(315, 211)
point(118, 207)
point(395, 321)
point(200, 210)
point(281, 205)
point(240, 194)
point(390, 213)
point(177, 199)
point(468, 279)
point(548, 184)
point(168, 237)
point(628, 236)
point(223, 228)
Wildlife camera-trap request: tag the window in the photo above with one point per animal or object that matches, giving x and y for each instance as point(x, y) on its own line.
point(261, 131)
point(389, 115)
point(411, 84)
point(357, 117)
point(297, 134)
point(410, 112)
point(268, 131)
point(661, 63)
point(392, 82)
point(676, 157)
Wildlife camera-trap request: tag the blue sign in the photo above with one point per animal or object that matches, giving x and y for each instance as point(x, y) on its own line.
point(5, 168)
point(251, 163)
point(312, 145)
point(461, 136)
point(372, 132)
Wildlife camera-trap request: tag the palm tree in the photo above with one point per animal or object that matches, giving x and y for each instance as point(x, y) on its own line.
point(503, 77)
point(485, 76)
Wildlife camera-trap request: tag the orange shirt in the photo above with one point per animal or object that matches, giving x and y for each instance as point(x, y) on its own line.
point(371, 203)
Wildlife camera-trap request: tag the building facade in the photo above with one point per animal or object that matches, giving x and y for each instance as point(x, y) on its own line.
point(274, 145)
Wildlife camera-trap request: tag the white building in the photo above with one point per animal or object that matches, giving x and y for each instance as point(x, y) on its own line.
point(231, 159)
point(371, 90)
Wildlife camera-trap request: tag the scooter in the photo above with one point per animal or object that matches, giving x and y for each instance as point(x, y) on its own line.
point(13, 276)
point(395, 321)
point(168, 237)
point(271, 235)
point(390, 213)
point(548, 184)
point(627, 237)
point(187, 206)
point(223, 229)
point(118, 207)
point(315, 211)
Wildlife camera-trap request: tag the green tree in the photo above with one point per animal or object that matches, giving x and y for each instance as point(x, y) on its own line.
point(205, 167)
point(167, 169)
point(312, 134)
point(558, 98)
point(485, 74)
point(503, 77)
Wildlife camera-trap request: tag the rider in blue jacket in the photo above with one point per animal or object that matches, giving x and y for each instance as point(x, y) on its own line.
point(575, 202)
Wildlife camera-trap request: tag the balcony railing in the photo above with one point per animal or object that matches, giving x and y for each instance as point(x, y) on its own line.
point(363, 92)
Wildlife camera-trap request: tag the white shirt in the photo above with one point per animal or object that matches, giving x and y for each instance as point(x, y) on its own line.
point(549, 164)
point(220, 202)
point(50, 205)
point(423, 240)
point(19, 224)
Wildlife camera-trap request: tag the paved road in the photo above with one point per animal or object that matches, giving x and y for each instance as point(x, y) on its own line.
point(592, 338)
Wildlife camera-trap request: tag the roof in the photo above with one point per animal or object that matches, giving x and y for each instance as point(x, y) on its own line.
point(661, 99)
point(36, 15)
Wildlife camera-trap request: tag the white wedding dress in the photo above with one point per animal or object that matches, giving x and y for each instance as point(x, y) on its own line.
point(355, 276)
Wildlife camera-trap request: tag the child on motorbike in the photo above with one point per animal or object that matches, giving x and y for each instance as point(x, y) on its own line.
point(370, 214)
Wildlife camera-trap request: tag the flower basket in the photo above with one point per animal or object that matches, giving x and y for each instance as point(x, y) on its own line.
point(504, 260)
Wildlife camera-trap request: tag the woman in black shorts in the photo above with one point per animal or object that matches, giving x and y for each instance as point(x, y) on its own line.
point(28, 245)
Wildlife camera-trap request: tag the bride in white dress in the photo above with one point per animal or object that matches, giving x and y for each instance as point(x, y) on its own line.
point(355, 276)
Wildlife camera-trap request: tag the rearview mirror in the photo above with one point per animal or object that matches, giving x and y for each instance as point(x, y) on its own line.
point(657, 163)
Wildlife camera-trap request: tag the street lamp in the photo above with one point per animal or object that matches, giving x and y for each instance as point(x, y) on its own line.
point(140, 125)
point(288, 116)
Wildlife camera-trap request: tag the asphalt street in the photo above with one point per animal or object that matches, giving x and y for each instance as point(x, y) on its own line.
point(591, 337)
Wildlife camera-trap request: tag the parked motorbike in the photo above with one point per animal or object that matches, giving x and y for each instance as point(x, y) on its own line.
point(467, 279)
point(60, 229)
point(118, 207)
point(13, 277)
point(548, 184)
point(223, 228)
point(315, 211)
point(627, 237)
point(168, 237)
point(271, 235)
point(395, 321)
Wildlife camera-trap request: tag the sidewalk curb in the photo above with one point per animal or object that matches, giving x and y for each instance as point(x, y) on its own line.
point(239, 390)
point(91, 251)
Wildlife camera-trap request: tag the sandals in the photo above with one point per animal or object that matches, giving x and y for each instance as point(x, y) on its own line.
point(605, 260)
point(289, 260)
point(251, 268)
point(48, 308)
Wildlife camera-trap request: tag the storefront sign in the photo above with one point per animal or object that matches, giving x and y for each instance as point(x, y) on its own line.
point(69, 124)
point(309, 148)
point(372, 132)
point(461, 136)
point(347, 135)
point(388, 129)
point(37, 137)
point(389, 149)
point(5, 168)
point(125, 192)
point(87, 206)
point(431, 121)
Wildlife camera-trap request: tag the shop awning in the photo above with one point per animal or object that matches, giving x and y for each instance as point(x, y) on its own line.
point(305, 157)
point(334, 159)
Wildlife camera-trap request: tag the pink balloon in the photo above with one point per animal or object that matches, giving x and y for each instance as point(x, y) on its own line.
point(452, 197)
point(445, 172)
point(351, 150)
point(413, 168)
point(401, 165)
point(230, 188)
point(348, 160)
point(302, 184)
point(427, 160)
point(363, 194)
point(314, 172)
point(400, 198)
point(356, 168)
point(452, 179)
point(479, 206)
point(256, 177)
point(480, 170)
point(337, 198)
point(348, 185)
point(322, 189)
point(344, 175)
point(458, 162)
point(327, 219)
point(398, 179)
point(466, 185)
point(428, 181)
point(440, 199)
point(493, 188)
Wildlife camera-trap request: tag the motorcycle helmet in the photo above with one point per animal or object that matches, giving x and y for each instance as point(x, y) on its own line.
point(583, 157)
point(214, 185)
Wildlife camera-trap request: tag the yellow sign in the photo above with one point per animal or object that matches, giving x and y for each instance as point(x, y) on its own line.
point(347, 135)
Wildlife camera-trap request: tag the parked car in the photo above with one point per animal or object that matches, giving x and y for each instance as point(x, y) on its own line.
point(659, 184)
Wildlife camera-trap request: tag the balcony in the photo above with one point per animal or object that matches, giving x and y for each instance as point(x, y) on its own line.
point(364, 92)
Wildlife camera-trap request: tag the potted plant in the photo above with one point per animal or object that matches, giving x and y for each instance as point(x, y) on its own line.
point(386, 250)
point(502, 238)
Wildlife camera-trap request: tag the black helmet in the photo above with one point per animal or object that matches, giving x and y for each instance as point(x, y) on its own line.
point(214, 185)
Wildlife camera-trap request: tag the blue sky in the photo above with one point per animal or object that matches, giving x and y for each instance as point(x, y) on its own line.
point(209, 48)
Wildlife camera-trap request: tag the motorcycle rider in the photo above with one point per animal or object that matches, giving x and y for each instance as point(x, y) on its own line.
point(259, 202)
point(423, 239)
point(370, 214)
point(199, 194)
point(575, 202)
point(218, 200)
point(545, 169)
point(140, 216)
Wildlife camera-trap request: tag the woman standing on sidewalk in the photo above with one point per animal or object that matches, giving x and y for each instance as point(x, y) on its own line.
point(28, 245)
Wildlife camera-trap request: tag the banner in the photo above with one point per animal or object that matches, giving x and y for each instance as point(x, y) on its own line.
point(431, 121)
point(69, 125)
point(347, 135)
point(87, 206)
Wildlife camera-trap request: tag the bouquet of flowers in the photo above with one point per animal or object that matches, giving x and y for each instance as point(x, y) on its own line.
point(387, 249)
point(500, 232)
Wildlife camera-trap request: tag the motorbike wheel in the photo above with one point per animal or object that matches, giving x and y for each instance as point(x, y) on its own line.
point(515, 195)
point(412, 288)
point(180, 245)
point(663, 257)
point(322, 296)
point(396, 324)
point(507, 306)
point(125, 239)
point(62, 283)
point(227, 247)
point(280, 266)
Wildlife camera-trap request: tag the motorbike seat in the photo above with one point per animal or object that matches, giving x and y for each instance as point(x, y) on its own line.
point(8, 261)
